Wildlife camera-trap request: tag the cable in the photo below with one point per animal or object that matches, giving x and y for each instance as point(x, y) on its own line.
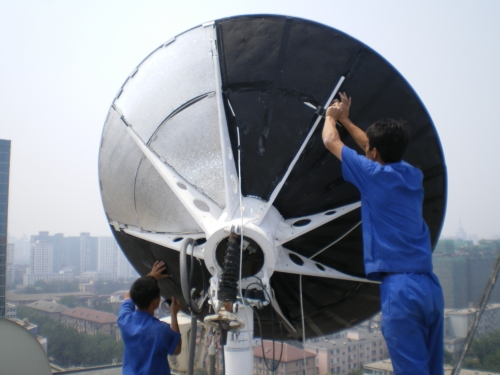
point(186, 276)
point(270, 368)
point(337, 240)
point(272, 325)
point(300, 292)
point(241, 233)
point(303, 324)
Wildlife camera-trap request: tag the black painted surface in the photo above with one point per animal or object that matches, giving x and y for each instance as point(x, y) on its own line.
point(272, 64)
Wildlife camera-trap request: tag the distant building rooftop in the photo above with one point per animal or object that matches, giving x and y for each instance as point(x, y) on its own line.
point(119, 292)
point(471, 310)
point(290, 352)
point(90, 315)
point(49, 307)
point(17, 297)
point(338, 343)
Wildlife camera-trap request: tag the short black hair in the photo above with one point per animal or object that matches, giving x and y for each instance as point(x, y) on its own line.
point(390, 138)
point(143, 291)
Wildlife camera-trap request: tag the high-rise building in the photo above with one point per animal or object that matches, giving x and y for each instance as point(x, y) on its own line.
point(71, 254)
point(88, 253)
point(348, 353)
point(23, 252)
point(42, 254)
point(10, 264)
point(4, 204)
point(57, 241)
point(107, 252)
point(124, 269)
point(464, 269)
point(77, 254)
point(111, 259)
point(42, 260)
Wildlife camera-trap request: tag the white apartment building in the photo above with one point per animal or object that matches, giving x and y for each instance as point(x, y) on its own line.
point(41, 257)
point(457, 323)
point(31, 278)
point(107, 252)
point(124, 269)
point(350, 353)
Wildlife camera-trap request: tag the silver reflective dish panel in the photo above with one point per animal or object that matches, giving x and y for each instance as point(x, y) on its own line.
point(158, 208)
point(169, 78)
point(190, 143)
point(170, 102)
point(119, 159)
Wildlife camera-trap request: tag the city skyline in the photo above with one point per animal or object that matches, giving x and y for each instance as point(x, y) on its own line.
point(54, 257)
point(55, 92)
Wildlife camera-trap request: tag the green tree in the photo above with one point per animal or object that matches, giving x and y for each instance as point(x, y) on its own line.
point(448, 358)
point(52, 287)
point(69, 301)
point(68, 347)
point(357, 372)
point(32, 289)
point(484, 353)
point(104, 306)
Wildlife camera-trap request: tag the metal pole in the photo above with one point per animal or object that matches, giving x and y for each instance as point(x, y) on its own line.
point(192, 344)
point(238, 351)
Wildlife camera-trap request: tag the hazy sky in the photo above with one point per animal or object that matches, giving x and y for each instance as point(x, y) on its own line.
point(62, 62)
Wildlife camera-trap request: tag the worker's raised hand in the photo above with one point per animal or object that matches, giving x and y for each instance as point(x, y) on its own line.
point(339, 110)
point(346, 105)
point(157, 269)
point(175, 306)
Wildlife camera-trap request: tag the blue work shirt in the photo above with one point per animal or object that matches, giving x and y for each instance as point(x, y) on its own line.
point(147, 341)
point(395, 236)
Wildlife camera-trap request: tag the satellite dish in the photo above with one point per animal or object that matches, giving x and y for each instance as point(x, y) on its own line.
point(229, 112)
point(20, 351)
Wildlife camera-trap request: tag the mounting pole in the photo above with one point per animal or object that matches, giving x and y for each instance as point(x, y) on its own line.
point(238, 351)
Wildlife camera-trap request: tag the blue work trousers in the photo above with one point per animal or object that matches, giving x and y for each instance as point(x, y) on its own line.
point(412, 322)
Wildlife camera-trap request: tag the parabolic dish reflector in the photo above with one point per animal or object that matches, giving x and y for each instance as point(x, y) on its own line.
point(20, 351)
point(240, 91)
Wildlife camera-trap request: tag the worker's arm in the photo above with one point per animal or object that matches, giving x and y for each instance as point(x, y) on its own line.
point(356, 133)
point(330, 135)
point(174, 325)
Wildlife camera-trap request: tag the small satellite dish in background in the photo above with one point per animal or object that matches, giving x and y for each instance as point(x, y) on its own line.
point(20, 351)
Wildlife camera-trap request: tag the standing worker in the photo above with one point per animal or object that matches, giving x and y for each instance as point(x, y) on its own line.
point(396, 240)
point(148, 340)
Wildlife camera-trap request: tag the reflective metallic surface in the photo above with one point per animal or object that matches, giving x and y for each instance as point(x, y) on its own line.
point(196, 157)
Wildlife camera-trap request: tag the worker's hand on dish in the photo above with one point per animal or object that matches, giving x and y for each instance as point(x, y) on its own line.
point(157, 270)
point(175, 306)
point(339, 110)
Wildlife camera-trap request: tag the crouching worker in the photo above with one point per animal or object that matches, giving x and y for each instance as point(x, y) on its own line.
point(396, 240)
point(148, 340)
